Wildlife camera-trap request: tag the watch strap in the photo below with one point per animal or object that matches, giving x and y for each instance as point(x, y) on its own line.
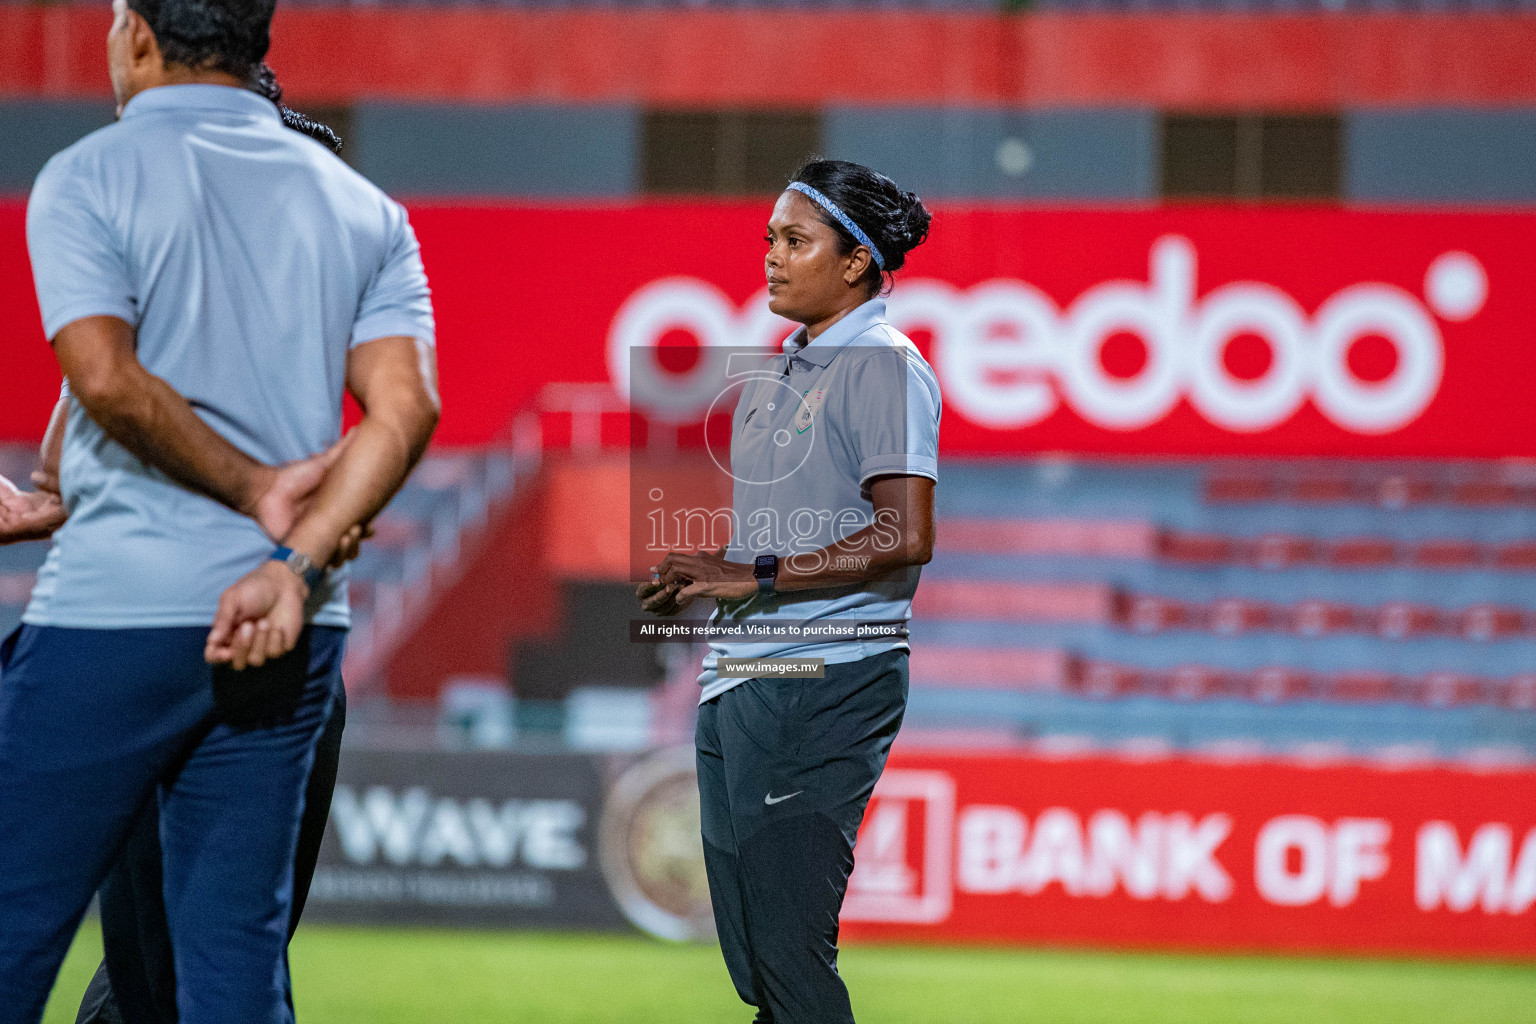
point(766, 580)
point(300, 565)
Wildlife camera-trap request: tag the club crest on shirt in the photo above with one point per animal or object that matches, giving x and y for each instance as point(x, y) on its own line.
point(810, 402)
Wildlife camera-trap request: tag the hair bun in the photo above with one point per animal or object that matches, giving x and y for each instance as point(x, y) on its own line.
point(909, 228)
point(895, 220)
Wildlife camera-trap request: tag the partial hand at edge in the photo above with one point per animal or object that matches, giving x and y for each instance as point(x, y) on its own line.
point(350, 545)
point(28, 515)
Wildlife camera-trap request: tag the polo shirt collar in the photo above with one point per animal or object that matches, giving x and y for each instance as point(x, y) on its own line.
point(227, 98)
point(831, 341)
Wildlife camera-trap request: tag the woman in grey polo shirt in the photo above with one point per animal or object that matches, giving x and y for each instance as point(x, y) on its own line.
point(834, 451)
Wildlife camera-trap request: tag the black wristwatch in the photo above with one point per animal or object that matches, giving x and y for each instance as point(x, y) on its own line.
point(300, 565)
point(765, 569)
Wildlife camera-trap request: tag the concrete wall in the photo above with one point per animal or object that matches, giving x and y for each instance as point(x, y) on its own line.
point(968, 153)
point(1440, 156)
point(33, 130)
point(1424, 156)
point(431, 149)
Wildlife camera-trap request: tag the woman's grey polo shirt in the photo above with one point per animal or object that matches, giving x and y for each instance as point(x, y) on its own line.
point(811, 429)
point(249, 259)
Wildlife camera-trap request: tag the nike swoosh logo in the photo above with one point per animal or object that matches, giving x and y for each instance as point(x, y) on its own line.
point(770, 799)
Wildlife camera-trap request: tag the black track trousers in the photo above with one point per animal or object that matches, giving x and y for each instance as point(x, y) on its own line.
point(786, 767)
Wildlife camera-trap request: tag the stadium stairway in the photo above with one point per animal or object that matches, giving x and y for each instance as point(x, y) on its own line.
point(1306, 609)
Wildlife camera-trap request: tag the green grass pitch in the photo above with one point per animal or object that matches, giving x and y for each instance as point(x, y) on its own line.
point(398, 976)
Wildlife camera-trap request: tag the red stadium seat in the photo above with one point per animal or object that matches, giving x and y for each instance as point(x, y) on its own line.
point(1015, 602)
point(1315, 618)
point(1401, 619)
point(1149, 614)
point(1326, 489)
point(1087, 538)
point(1519, 693)
point(1236, 615)
point(1518, 556)
point(1361, 553)
point(1361, 686)
point(1491, 622)
point(1447, 689)
point(990, 668)
point(1060, 671)
point(1199, 548)
point(1107, 680)
point(1448, 554)
point(1240, 489)
point(1197, 682)
point(1400, 491)
point(1281, 551)
point(1484, 492)
point(1273, 685)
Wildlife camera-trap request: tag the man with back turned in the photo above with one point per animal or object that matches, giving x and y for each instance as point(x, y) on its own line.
point(211, 283)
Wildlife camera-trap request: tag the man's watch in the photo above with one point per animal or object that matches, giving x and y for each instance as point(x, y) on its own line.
point(300, 565)
point(765, 569)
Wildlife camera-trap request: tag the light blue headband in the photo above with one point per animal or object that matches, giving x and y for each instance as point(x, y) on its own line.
point(842, 218)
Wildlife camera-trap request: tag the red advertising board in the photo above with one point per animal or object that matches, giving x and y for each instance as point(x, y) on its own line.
point(1176, 331)
point(1230, 856)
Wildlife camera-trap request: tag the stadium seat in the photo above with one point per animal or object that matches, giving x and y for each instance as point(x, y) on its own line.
point(1196, 548)
point(1519, 693)
point(1361, 553)
point(1083, 538)
point(1273, 685)
point(1519, 556)
point(1199, 682)
point(1448, 554)
point(1316, 618)
point(989, 600)
point(1235, 615)
point(1326, 489)
point(1282, 551)
point(1106, 681)
point(1005, 668)
point(1447, 689)
point(1374, 687)
point(1491, 622)
point(1401, 619)
point(1485, 492)
point(1151, 614)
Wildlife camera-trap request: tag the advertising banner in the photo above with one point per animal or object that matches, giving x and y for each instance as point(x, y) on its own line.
point(1237, 330)
point(1206, 855)
point(1004, 848)
point(515, 840)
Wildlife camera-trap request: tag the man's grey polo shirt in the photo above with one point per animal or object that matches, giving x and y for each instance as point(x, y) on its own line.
point(249, 258)
point(858, 402)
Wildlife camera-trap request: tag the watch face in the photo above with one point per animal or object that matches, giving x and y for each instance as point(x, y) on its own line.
point(765, 565)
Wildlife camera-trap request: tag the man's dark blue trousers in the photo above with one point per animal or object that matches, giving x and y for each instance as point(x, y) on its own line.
point(94, 724)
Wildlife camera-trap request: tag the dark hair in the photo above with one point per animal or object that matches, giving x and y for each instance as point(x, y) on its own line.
point(210, 35)
point(231, 36)
point(264, 81)
point(894, 219)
